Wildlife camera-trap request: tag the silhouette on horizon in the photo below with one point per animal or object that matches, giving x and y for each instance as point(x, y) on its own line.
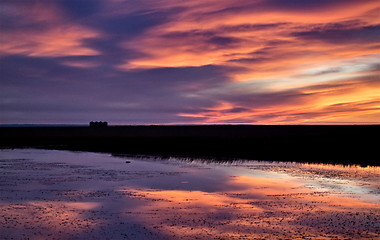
point(98, 124)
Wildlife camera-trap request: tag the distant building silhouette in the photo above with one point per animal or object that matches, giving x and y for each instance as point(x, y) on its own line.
point(98, 124)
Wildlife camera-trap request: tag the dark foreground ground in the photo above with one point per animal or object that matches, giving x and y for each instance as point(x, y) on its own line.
point(347, 144)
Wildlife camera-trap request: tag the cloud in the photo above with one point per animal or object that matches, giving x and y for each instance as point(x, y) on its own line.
point(80, 8)
point(342, 100)
point(313, 5)
point(259, 42)
point(41, 88)
point(367, 34)
point(190, 61)
point(38, 29)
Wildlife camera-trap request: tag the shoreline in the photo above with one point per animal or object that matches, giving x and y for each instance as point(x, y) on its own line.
point(341, 144)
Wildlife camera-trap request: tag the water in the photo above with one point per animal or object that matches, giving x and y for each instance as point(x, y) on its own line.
point(78, 195)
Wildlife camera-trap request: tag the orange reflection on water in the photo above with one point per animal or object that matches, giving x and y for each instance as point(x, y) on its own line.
point(181, 200)
point(252, 207)
point(41, 219)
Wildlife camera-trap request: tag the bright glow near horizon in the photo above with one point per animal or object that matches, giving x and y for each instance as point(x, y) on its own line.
point(190, 62)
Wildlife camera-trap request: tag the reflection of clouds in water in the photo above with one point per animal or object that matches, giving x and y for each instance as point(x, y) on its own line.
point(190, 214)
point(254, 211)
point(364, 182)
point(51, 219)
point(76, 195)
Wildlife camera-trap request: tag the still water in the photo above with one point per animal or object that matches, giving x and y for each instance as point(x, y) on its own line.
point(49, 194)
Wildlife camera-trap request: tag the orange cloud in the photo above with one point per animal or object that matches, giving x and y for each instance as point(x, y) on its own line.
point(241, 61)
point(44, 33)
point(278, 49)
point(63, 41)
point(201, 23)
point(331, 102)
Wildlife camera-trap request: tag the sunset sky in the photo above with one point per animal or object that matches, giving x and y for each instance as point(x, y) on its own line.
point(190, 62)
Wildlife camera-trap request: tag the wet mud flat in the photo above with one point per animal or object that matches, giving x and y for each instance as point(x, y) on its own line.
point(50, 194)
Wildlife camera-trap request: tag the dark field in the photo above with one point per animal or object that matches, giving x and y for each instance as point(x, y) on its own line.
point(347, 144)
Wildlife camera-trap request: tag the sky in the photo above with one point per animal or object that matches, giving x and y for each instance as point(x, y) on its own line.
point(190, 62)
